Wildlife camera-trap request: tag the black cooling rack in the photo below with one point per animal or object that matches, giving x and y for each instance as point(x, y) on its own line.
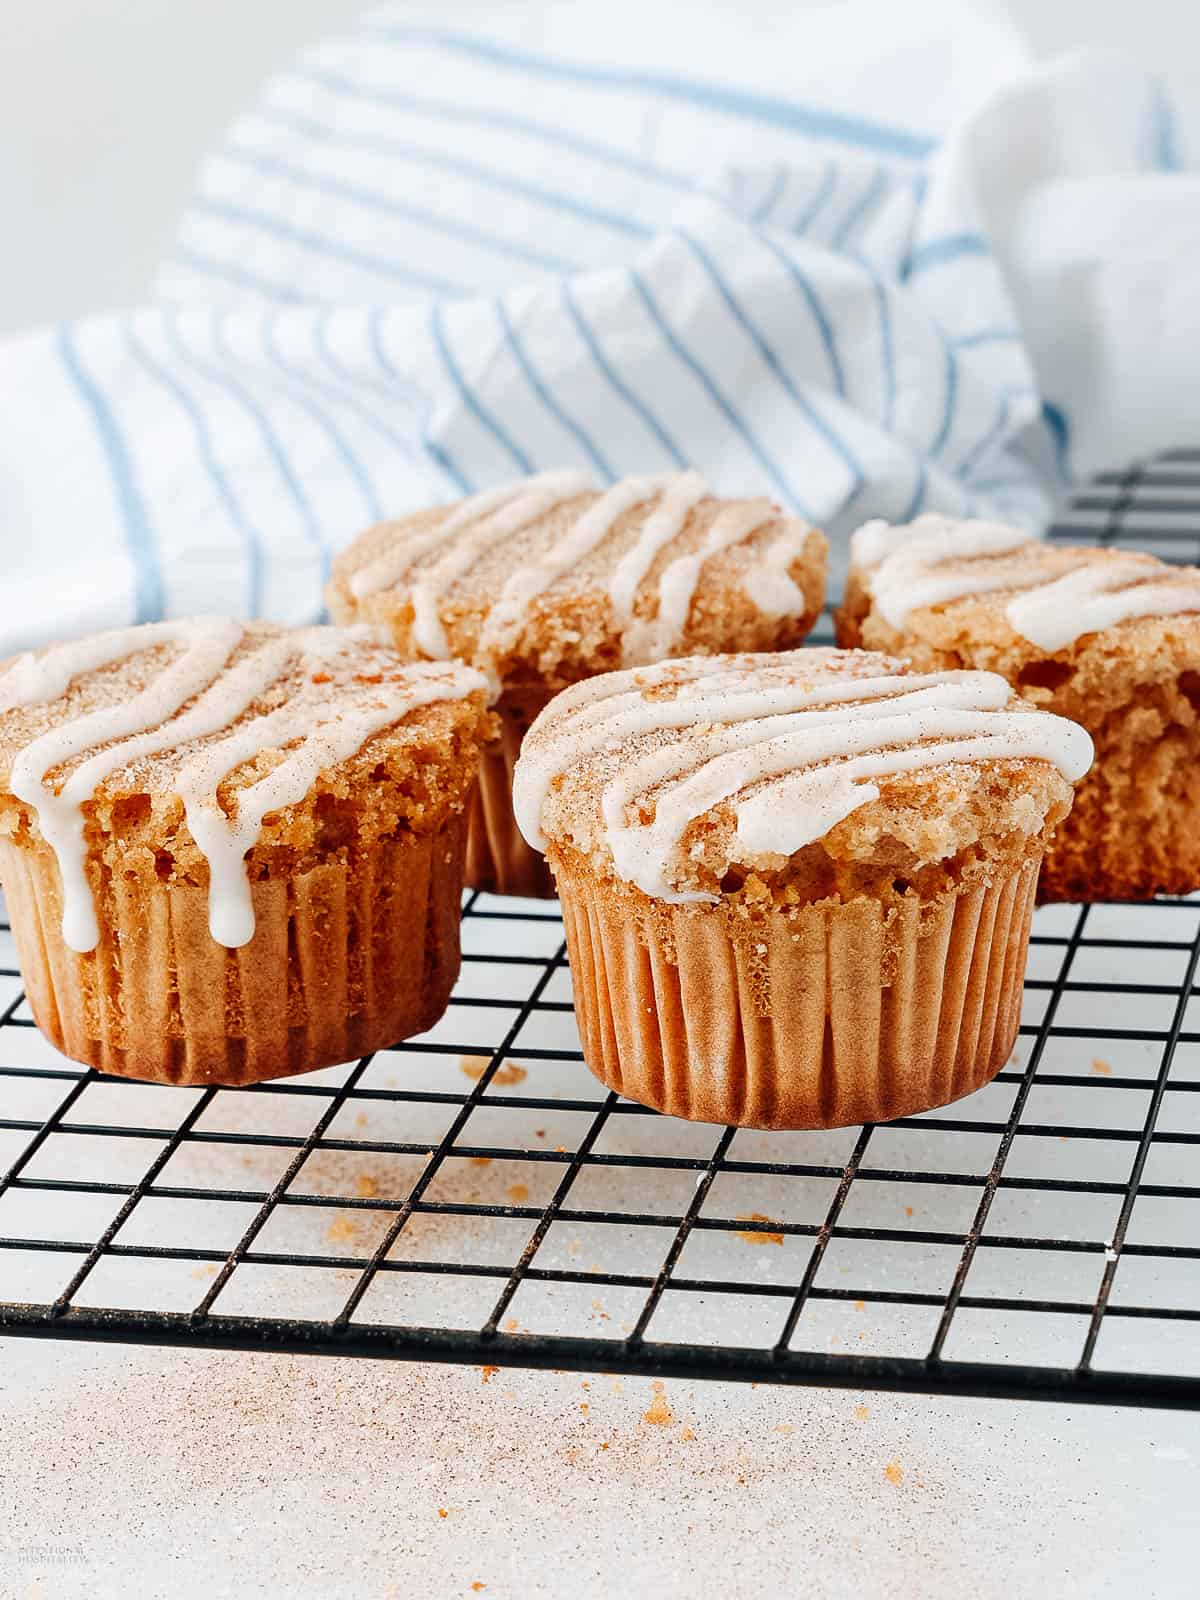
point(474, 1196)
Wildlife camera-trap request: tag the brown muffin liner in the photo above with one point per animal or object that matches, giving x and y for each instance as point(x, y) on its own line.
point(346, 958)
point(498, 859)
point(825, 1017)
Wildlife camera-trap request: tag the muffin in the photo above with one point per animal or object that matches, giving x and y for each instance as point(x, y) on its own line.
point(234, 851)
point(1109, 638)
point(549, 581)
point(796, 887)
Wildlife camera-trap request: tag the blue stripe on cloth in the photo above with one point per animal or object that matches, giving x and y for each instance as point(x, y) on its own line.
point(187, 257)
point(755, 334)
point(979, 450)
point(148, 593)
point(352, 398)
point(508, 122)
point(972, 341)
point(436, 452)
point(537, 384)
point(948, 404)
point(250, 536)
point(819, 315)
point(714, 393)
point(811, 121)
point(819, 200)
point(1059, 425)
point(916, 503)
point(440, 161)
point(473, 404)
point(321, 245)
point(951, 247)
point(866, 201)
point(771, 196)
point(591, 344)
point(296, 392)
point(373, 200)
point(887, 346)
point(271, 441)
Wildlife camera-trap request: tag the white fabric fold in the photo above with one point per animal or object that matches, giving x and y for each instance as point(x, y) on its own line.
point(438, 254)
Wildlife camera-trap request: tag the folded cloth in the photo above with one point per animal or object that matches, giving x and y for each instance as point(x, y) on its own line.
point(864, 258)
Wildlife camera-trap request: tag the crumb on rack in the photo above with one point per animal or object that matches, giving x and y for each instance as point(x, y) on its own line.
point(505, 1076)
point(894, 1473)
point(755, 1235)
point(1102, 1069)
point(489, 1372)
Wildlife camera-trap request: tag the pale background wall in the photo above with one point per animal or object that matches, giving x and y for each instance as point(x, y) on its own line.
point(107, 105)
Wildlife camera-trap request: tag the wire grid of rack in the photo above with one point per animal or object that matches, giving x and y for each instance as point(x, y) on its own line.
point(474, 1196)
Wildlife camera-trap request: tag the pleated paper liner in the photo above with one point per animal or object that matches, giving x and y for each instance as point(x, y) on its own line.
point(819, 1019)
point(498, 859)
point(346, 958)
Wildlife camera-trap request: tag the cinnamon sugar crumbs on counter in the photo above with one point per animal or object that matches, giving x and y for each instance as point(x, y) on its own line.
point(908, 1211)
point(1102, 1069)
point(368, 1187)
point(660, 1413)
point(481, 1161)
point(504, 1077)
point(342, 1230)
point(687, 1434)
point(861, 1413)
point(511, 1325)
point(518, 1193)
point(478, 1587)
point(753, 1235)
point(489, 1372)
point(894, 1473)
point(442, 1512)
point(860, 1305)
point(362, 1120)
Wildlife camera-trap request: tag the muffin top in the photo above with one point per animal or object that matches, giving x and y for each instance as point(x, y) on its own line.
point(205, 740)
point(549, 580)
point(686, 777)
point(1048, 595)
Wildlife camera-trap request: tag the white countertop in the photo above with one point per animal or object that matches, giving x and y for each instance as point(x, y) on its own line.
point(223, 1475)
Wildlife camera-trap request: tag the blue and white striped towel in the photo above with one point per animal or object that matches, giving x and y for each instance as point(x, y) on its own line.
point(438, 255)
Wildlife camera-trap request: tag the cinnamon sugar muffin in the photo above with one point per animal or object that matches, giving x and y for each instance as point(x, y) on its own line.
point(549, 581)
point(796, 887)
point(1108, 638)
point(233, 851)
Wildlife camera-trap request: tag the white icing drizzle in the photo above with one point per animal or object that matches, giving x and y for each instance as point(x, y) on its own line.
point(485, 520)
point(151, 722)
point(224, 841)
point(392, 565)
point(801, 759)
point(1055, 614)
point(906, 562)
point(472, 540)
point(592, 528)
point(902, 567)
point(685, 492)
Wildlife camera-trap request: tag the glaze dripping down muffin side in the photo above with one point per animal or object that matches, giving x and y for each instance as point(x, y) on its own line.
point(232, 851)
